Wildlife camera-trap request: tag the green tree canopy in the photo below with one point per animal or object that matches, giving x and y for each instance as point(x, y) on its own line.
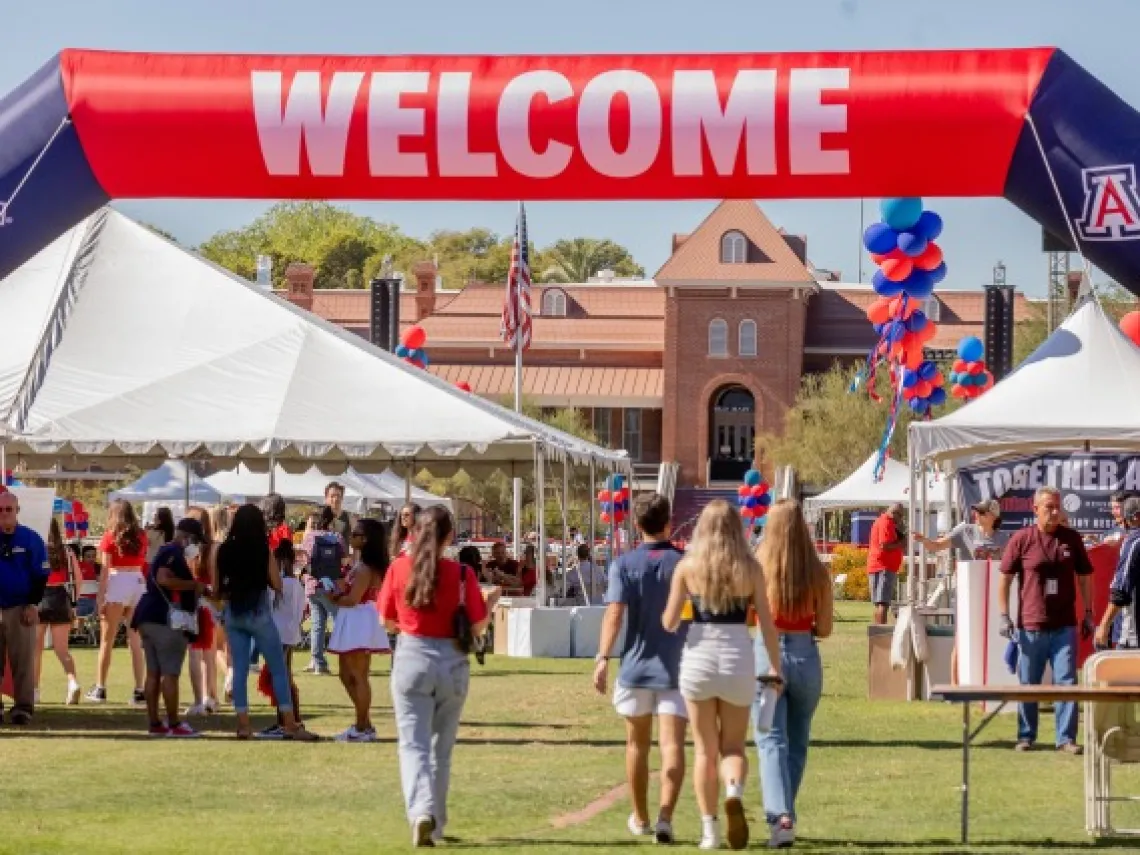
point(577, 259)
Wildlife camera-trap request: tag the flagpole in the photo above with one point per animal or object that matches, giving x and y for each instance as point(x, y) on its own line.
point(516, 497)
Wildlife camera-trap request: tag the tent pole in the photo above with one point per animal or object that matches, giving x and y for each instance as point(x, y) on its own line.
point(924, 504)
point(593, 515)
point(186, 483)
point(272, 474)
point(3, 464)
point(911, 580)
point(540, 510)
point(565, 518)
point(408, 470)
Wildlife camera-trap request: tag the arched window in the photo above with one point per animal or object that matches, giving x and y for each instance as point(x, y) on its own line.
point(718, 337)
point(746, 343)
point(554, 303)
point(733, 248)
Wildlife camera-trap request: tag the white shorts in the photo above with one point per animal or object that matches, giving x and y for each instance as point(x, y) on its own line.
point(125, 587)
point(634, 703)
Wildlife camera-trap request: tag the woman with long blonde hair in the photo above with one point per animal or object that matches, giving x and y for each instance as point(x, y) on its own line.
point(721, 577)
point(802, 604)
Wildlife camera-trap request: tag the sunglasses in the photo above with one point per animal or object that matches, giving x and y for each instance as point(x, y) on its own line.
point(8, 509)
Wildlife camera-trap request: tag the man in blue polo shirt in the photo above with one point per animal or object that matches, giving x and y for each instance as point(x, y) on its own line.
point(23, 576)
point(646, 684)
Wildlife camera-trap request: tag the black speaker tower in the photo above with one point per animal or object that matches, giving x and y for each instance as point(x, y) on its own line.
point(384, 315)
point(998, 335)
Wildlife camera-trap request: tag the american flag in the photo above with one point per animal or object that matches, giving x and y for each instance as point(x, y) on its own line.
point(516, 325)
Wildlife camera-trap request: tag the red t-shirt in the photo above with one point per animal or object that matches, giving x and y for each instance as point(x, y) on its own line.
point(878, 559)
point(282, 532)
point(59, 575)
point(437, 620)
point(1047, 565)
point(529, 580)
point(117, 560)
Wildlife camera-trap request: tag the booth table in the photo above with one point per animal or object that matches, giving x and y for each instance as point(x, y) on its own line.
point(1002, 695)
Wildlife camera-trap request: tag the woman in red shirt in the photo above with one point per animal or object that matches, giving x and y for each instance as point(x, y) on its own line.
point(56, 612)
point(122, 551)
point(421, 596)
point(203, 658)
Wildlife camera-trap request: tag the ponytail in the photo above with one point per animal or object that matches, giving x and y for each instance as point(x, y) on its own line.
point(433, 529)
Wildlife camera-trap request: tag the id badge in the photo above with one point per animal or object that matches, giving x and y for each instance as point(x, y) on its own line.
point(1050, 587)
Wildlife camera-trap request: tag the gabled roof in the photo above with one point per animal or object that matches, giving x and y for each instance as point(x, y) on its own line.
point(697, 260)
point(860, 489)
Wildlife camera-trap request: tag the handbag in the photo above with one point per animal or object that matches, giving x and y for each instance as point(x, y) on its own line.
point(465, 638)
point(178, 619)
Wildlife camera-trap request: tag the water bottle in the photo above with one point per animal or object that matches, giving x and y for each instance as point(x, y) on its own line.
point(769, 697)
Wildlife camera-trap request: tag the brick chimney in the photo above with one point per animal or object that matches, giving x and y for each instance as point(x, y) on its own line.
point(678, 239)
point(299, 284)
point(425, 273)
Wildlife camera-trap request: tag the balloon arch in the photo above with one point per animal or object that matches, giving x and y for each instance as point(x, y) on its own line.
point(1029, 124)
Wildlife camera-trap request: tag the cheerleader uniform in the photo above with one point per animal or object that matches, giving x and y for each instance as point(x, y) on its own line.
point(358, 629)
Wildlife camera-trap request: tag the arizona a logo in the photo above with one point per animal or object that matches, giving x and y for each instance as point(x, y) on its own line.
point(1112, 207)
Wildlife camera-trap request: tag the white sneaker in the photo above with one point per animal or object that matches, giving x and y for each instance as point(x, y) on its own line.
point(783, 834)
point(211, 706)
point(638, 829)
point(710, 833)
point(195, 709)
point(73, 692)
point(422, 830)
point(354, 735)
point(663, 832)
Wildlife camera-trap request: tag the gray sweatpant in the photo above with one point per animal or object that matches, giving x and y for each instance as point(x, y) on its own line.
point(18, 647)
point(429, 687)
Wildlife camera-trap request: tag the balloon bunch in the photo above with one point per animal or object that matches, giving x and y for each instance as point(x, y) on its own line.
point(923, 387)
point(411, 347)
point(903, 331)
point(754, 496)
point(10, 479)
point(614, 500)
point(76, 521)
point(903, 245)
point(970, 377)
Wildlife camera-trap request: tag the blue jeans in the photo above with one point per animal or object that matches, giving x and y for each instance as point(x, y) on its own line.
point(429, 685)
point(783, 749)
point(1057, 647)
point(242, 630)
point(320, 610)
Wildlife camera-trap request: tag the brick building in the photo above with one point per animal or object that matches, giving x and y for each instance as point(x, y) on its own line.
point(685, 368)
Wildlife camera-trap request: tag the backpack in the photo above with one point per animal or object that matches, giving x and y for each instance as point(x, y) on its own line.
point(327, 556)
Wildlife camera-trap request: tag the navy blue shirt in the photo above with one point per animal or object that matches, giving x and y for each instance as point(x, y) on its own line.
point(1125, 587)
point(152, 607)
point(640, 581)
point(24, 568)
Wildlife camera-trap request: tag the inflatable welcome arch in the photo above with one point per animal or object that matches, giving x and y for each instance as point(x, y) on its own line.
point(1027, 124)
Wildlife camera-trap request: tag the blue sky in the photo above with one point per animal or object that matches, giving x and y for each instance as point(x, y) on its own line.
point(1100, 34)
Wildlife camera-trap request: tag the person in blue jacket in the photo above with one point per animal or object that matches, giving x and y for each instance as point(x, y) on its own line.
point(24, 572)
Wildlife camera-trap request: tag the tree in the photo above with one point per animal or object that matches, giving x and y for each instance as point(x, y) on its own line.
point(577, 259)
point(830, 431)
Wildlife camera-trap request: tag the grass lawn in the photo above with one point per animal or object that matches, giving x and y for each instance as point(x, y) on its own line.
point(537, 747)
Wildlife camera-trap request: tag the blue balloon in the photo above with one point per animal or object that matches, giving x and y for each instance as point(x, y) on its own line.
point(937, 396)
point(916, 322)
point(911, 244)
point(750, 502)
point(971, 348)
point(927, 370)
point(901, 214)
point(896, 330)
point(955, 377)
point(616, 482)
point(625, 505)
point(402, 351)
point(752, 478)
point(884, 287)
point(424, 358)
point(910, 378)
point(880, 238)
point(765, 500)
point(938, 273)
point(879, 328)
point(919, 285)
point(929, 225)
point(919, 405)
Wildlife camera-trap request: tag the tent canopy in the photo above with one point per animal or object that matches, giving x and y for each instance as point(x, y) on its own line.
point(167, 483)
point(1075, 391)
point(860, 490)
point(122, 344)
point(360, 490)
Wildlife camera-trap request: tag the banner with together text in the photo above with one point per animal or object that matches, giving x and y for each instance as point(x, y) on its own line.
point(1086, 482)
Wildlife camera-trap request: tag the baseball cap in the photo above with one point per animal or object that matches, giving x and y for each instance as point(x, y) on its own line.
point(191, 526)
point(990, 506)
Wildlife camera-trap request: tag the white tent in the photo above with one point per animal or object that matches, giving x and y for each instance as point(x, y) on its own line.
point(1077, 390)
point(360, 491)
point(121, 344)
point(860, 490)
point(167, 483)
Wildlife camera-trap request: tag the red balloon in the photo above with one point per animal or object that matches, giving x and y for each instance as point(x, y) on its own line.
point(930, 258)
point(419, 363)
point(897, 309)
point(414, 337)
point(77, 507)
point(928, 332)
point(909, 392)
point(958, 391)
point(625, 494)
point(938, 381)
point(619, 516)
point(879, 312)
point(604, 518)
point(604, 496)
point(758, 491)
point(989, 381)
point(463, 386)
point(923, 388)
point(897, 269)
point(1130, 326)
point(959, 366)
point(975, 368)
point(913, 357)
point(764, 488)
point(878, 257)
point(743, 490)
point(748, 513)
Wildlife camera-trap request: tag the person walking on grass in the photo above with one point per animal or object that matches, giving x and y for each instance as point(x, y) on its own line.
point(358, 634)
point(288, 613)
point(327, 552)
point(720, 577)
point(56, 613)
point(24, 570)
point(430, 599)
point(799, 594)
point(170, 586)
point(646, 685)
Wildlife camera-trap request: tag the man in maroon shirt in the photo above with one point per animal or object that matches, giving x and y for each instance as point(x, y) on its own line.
point(1050, 562)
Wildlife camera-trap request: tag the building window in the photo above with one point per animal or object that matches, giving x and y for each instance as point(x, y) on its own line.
point(718, 337)
point(603, 419)
point(631, 435)
point(733, 248)
point(554, 303)
point(747, 338)
point(932, 309)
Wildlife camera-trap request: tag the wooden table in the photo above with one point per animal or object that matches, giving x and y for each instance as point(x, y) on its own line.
point(966, 695)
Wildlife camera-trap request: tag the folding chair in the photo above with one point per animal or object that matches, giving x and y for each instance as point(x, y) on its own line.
point(86, 629)
point(1112, 735)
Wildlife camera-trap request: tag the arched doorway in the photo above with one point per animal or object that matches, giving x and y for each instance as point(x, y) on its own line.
point(732, 433)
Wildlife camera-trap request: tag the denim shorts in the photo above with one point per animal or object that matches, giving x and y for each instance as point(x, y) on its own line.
point(883, 587)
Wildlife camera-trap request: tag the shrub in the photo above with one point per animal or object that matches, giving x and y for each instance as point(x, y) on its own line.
point(851, 561)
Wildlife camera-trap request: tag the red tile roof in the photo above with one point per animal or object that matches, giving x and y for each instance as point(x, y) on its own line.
point(564, 386)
